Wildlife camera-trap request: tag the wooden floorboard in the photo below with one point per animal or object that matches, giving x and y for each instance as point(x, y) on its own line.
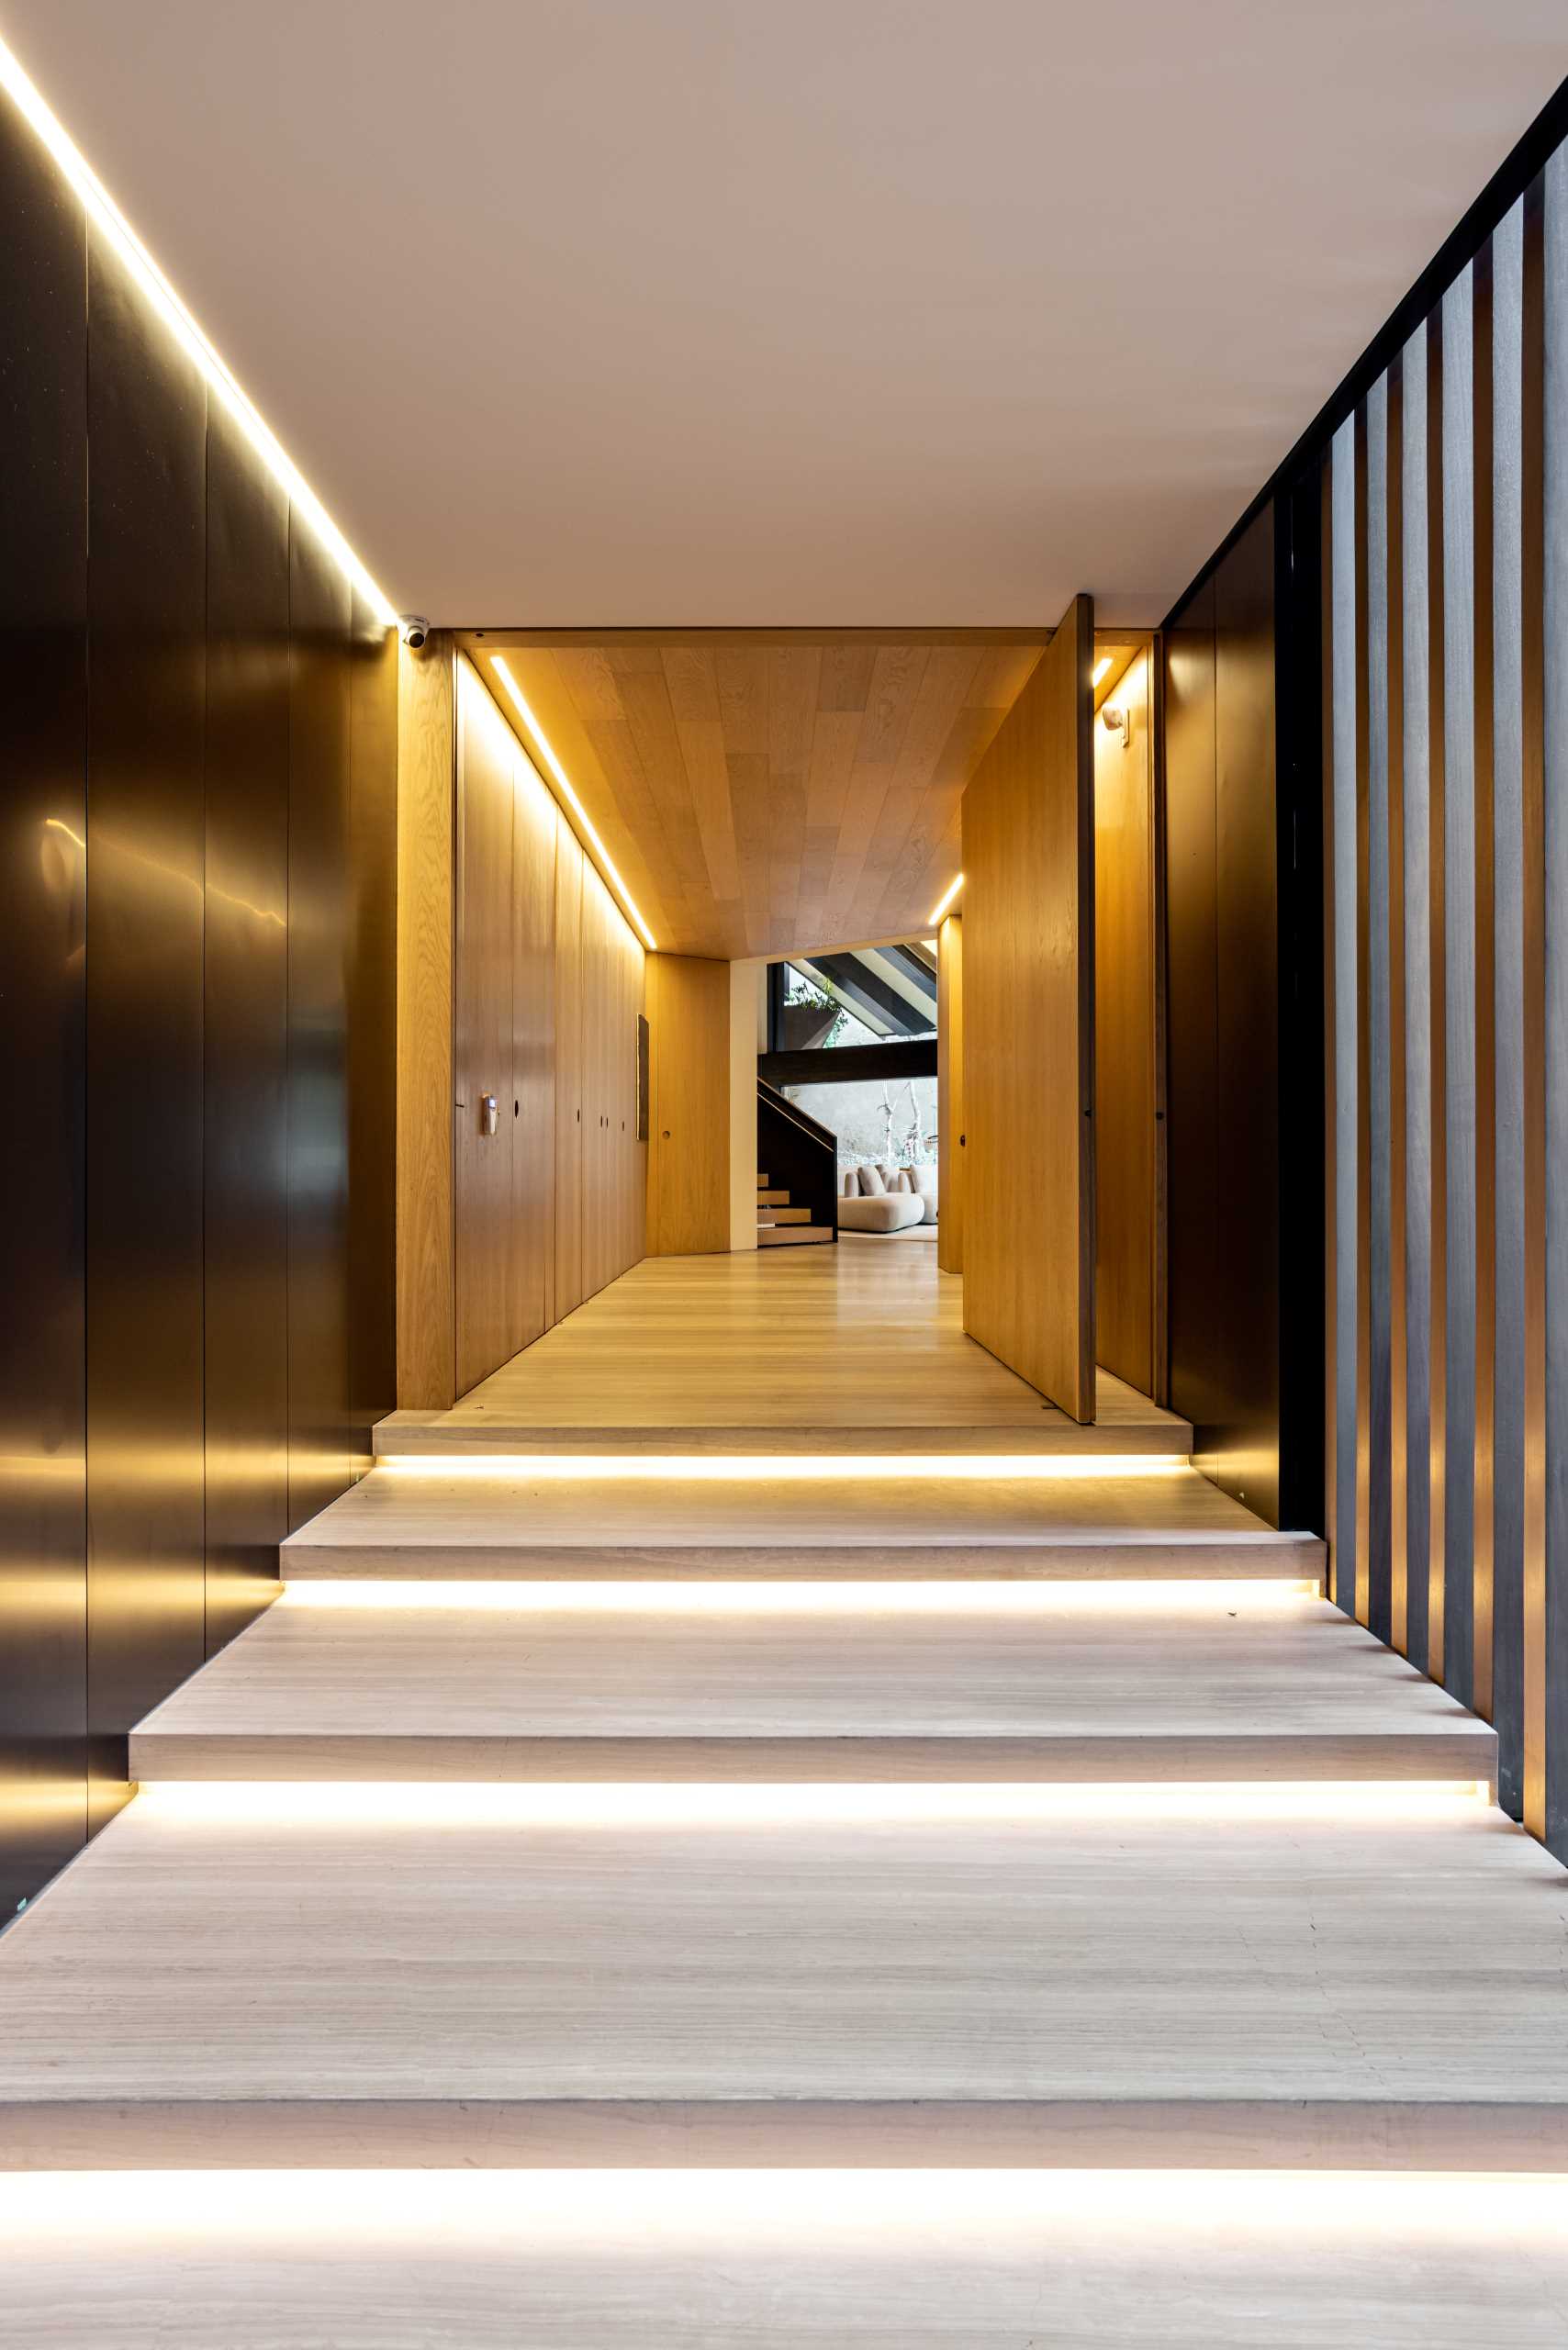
point(1028, 1684)
point(1062, 2262)
point(805, 1350)
point(1128, 1976)
point(418, 1522)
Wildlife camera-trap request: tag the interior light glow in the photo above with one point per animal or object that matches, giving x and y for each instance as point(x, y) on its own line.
point(737, 2210)
point(1101, 666)
point(945, 900)
point(106, 216)
point(546, 752)
point(786, 1467)
point(983, 1596)
point(305, 1805)
point(743, 2209)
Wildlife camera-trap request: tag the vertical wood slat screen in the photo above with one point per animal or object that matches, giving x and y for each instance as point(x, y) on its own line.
point(1446, 934)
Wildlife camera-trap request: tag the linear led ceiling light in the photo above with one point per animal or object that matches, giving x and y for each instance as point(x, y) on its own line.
point(105, 214)
point(945, 900)
point(1101, 666)
point(546, 752)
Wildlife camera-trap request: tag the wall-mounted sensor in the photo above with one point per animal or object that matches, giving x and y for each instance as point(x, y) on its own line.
point(1118, 722)
point(413, 630)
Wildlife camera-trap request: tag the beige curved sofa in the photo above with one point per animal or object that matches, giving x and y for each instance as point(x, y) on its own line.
point(882, 1198)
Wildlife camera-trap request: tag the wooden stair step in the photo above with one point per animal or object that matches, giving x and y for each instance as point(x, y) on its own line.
point(460, 1521)
point(1048, 1683)
point(772, 1199)
point(531, 1976)
point(782, 1236)
point(772, 1215)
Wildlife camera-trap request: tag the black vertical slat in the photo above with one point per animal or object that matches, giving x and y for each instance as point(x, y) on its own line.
point(246, 1159)
point(320, 1443)
point(1485, 1005)
point(1437, 860)
point(1508, 1038)
point(1394, 934)
point(1414, 722)
point(1532, 1006)
point(1555, 838)
point(1346, 1087)
point(1378, 1022)
point(1458, 888)
point(43, 827)
point(1247, 950)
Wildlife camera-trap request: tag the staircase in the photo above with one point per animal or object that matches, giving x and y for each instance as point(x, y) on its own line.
point(1017, 1816)
point(779, 1225)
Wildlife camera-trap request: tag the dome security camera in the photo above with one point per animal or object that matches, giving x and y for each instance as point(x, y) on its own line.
point(413, 630)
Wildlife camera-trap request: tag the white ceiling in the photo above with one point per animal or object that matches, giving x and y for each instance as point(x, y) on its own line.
point(771, 312)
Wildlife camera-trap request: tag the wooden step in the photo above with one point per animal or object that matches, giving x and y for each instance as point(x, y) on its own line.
point(766, 1199)
point(804, 2260)
point(456, 1521)
point(346, 1977)
point(767, 1217)
point(782, 1236)
point(761, 1179)
point(1041, 1682)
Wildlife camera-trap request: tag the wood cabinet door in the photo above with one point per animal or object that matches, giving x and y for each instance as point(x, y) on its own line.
point(1028, 912)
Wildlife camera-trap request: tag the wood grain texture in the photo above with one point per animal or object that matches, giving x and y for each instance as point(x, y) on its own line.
point(483, 1204)
point(1199, 1688)
point(569, 1072)
point(768, 792)
point(1332, 1982)
point(864, 1344)
point(1125, 1203)
point(688, 1144)
point(531, 1110)
point(810, 2265)
point(952, 1149)
point(427, 769)
point(1029, 1025)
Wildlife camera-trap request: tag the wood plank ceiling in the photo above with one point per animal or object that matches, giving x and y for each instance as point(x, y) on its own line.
point(771, 793)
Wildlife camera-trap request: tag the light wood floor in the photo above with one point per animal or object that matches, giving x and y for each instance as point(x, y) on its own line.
point(807, 1349)
point(565, 1820)
point(824, 1685)
point(522, 2262)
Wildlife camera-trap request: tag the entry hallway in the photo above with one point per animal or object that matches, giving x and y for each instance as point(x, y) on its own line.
point(752, 1735)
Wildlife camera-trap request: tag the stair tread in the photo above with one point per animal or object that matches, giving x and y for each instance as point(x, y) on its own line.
point(783, 1236)
point(1120, 1966)
point(1068, 1684)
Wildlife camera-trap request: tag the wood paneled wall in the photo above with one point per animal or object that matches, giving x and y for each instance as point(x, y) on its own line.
point(198, 1275)
point(952, 1142)
point(1129, 978)
point(1028, 820)
point(1445, 512)
point(689, 1153)
point(522, 979)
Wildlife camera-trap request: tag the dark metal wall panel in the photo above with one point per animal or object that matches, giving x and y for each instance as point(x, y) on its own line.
point(1379, 1287)
point(371, 1009)
point(1196, 1378)
point(321, 1445)
point(246, 1237)
point(147, 420)
point(44, 826)
point(1342, 753)
point(1247, 934)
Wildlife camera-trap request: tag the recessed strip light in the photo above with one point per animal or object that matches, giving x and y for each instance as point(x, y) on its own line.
point(105, 214)
point(1101, 666)
point(307, 1804)
point(535, 1467)
point(546, 752)
point(1042, 2216)
point(1169, 1597)
point(945, 900)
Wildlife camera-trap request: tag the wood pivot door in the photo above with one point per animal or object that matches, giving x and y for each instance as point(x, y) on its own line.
point(1028, 848)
